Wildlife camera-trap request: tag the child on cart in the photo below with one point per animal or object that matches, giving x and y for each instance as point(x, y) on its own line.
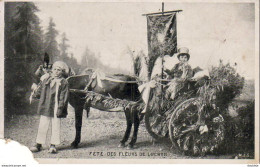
point(180, 73)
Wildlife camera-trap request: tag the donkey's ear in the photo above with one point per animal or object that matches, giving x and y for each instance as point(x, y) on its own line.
point(46, 58)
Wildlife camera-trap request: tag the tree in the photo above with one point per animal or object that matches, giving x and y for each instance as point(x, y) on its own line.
point(50, 43)
point(65, 55)
point(73, 63)
point(91, 60)
point(64, 47)
point(10, 9)
point(37, 39)
point(23, 45)
point(23, 40)
point(84, 62)
point(26, 31)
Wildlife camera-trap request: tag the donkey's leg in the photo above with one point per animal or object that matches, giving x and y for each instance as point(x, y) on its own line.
point(136, 127)
point(87, 111)
point(128, 128)
point(78, 125)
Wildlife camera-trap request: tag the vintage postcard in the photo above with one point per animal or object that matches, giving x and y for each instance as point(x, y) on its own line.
point(131, 81)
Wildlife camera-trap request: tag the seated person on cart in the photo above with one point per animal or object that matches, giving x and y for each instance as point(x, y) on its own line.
point(180, 73)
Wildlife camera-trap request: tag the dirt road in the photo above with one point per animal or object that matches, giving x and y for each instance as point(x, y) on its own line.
point(101, 134)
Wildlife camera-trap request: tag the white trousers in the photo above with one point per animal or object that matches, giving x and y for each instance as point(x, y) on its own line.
point(55, 125)
point(43, 130)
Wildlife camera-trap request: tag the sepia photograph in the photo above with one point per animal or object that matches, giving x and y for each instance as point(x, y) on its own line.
point(133, 81)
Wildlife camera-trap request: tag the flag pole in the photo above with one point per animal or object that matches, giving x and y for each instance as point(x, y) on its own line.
point(162, 55)
point(162, 8)
point(173, 11)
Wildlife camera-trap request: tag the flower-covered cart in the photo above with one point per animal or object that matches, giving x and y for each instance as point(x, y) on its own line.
point(195, 120)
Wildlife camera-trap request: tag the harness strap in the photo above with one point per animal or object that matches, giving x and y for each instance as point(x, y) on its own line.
point(89, 83)
point(119, 81)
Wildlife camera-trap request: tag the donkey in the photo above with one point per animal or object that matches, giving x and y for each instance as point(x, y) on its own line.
point(121, 90)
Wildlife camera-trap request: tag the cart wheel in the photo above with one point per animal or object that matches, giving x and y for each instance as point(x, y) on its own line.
point(191, 137)
point(157, 124)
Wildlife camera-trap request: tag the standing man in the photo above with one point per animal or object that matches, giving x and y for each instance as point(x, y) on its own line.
point(41, 71)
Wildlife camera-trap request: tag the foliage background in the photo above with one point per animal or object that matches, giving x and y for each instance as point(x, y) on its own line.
point(25, 44)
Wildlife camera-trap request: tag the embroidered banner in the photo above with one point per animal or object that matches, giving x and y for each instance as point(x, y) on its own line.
point(162, 37)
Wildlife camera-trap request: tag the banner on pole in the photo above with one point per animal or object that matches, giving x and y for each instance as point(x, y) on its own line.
point(162, 37)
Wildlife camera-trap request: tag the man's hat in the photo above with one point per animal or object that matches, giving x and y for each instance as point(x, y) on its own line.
point(183, 51)
point(46, 58)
